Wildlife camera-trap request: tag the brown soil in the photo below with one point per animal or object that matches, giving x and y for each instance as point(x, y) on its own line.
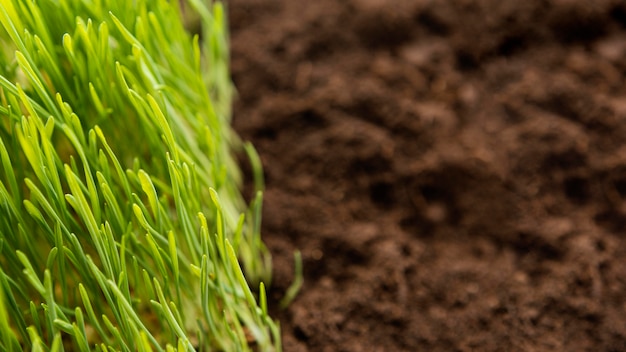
point(454, 172)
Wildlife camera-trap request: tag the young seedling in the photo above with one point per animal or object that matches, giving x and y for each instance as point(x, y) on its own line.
point(122, 227)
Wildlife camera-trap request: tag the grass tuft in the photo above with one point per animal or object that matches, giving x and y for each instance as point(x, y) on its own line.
point(122, 226)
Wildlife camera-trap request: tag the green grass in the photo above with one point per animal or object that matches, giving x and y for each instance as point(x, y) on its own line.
point(122, 226)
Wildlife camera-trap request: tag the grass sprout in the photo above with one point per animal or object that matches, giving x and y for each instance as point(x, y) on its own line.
point(122, 225)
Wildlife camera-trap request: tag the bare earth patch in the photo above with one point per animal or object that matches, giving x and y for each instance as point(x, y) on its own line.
point(454, 172)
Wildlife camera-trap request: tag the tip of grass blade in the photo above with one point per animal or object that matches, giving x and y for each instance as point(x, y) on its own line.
point(295, 287)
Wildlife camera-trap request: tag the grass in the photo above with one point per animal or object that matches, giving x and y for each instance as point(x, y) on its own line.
point(122, 227)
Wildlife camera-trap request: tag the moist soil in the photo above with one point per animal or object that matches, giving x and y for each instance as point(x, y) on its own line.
point(453, 172)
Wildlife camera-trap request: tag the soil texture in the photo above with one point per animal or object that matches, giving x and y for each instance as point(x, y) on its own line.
point(453, 172)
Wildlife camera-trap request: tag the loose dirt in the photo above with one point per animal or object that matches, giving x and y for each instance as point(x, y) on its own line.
point(454, 172)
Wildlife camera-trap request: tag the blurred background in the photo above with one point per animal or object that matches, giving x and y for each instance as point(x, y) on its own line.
point(454, 172)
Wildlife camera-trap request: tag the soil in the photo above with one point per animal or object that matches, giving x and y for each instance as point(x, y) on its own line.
point(453, 172)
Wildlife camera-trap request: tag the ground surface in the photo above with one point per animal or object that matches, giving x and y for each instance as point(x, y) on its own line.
point(454, 172)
